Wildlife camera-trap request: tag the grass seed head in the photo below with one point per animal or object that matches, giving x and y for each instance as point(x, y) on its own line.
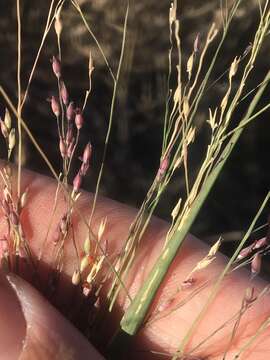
point(56, 66)
point(176, 209)
point(84, 263)
point(249, 296)
point(185, 107)
point(87, 245)
point(11, 141)
point(64, 92)
point(172, 13)
point(77, 182)
point(213, 250)
point(62, 148)
point(245, 252)
point(55, 106)
point(70, 111)
point(96, 267)
point(234, 67)
point(6, 194)
point(7, 119)
point(164, 164)
point(90, 65)
point(70, 148)
point(190, 65)
point(76, 278)
point(4, 129)
point(212, 119)
point(196, 44)
point(260, 243)
point(101, 228)
point(58, 23)
point(23, 199)
point(69, 135)
point(87, 153)
point(256, 264)
point(86, 159)
point(84, 168)
point(79, 119)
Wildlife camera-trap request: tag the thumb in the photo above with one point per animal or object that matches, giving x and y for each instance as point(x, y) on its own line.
point(31, 328)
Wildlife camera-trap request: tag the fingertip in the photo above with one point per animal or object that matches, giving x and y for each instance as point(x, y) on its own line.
point(48, 334)
point(12, 322)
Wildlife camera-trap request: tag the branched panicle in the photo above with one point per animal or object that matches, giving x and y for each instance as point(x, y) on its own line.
point(187, 83)
point(70, 121)
point(180, 131)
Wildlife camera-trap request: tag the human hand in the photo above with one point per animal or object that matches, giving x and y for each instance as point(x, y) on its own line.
point(31, 328)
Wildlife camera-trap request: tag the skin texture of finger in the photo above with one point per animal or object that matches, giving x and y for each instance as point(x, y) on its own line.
point(166, 332)
point(48, 334)
point(12, 322)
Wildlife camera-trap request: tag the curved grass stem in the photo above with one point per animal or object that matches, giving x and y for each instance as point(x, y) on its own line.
point(113, 100)
point(19, 107)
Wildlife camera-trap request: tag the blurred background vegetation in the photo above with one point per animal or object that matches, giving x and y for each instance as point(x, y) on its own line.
point(134, 150)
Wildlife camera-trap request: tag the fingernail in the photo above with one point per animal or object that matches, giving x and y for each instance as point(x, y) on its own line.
point(12, 322)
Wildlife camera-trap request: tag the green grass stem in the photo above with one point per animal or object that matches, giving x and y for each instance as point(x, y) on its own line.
point(136, 313)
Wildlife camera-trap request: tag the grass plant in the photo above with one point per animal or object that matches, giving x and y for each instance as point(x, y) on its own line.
point(187, 82)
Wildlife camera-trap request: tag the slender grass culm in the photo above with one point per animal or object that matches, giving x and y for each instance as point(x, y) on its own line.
point(101, 277)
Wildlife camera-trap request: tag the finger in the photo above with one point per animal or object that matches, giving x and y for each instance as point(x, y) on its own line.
point(12, 322)
point(31, 328)
point(166, 333)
